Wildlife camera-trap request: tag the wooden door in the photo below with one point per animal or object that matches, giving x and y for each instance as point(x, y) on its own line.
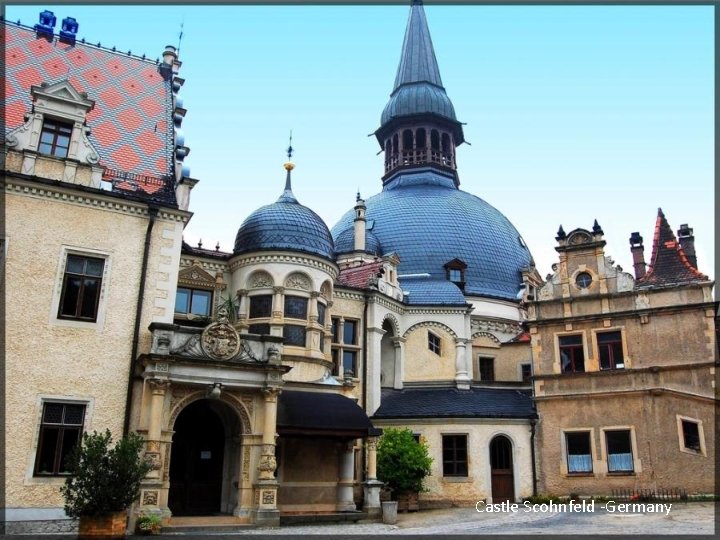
point(501, 467)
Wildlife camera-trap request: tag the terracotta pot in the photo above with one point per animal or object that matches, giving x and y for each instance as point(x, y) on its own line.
point(408, 501)
point(109, 526)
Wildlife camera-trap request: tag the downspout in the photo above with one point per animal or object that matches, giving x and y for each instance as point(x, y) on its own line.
point(533, 422)
point(152, 213)
point(365, 374)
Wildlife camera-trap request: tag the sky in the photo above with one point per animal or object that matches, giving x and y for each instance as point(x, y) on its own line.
point(573, 113)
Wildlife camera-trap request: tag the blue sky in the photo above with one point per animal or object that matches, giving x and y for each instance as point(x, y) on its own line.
point(573, 112)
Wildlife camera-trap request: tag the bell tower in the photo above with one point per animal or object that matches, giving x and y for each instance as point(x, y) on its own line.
point(418, 125)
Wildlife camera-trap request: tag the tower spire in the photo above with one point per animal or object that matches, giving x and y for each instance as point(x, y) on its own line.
point(288, 195)
point(418, 125)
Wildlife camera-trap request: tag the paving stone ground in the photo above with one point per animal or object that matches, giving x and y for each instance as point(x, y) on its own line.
point(696, 519)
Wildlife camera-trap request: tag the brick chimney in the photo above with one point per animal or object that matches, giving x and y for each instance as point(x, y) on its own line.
point(687, 241)
point(638, 252)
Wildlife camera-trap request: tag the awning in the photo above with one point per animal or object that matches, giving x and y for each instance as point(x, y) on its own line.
point(322, 414)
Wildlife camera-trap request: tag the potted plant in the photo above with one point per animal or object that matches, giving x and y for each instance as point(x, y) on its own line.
point(148, 524)
point(104, 482)
point(402, 463)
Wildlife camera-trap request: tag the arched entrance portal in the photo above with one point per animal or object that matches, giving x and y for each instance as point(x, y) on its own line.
point(501, 469)
point(204, 460)
point(387, 356)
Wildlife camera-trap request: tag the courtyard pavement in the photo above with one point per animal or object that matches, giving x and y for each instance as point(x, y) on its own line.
point(688, 519)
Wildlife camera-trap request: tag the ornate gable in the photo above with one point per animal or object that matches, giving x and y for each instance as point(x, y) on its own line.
point(197, 278)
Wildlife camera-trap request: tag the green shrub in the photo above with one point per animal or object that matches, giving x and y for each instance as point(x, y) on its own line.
point(104, 480)
point(402, 462)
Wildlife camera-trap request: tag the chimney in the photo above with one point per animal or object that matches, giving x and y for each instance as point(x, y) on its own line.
point(687, 241)
point(638, 252)
point(360, 224)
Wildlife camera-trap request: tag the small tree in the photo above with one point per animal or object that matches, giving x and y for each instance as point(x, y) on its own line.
point(104, 480)
point(402, 462)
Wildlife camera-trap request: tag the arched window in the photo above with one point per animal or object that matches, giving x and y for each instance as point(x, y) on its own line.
point(420, 138)
point(407, 139)
point(434, 139)
point(446, 143)
point(395, 144)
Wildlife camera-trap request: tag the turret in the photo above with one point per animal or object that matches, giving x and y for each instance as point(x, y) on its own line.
point(360, 223)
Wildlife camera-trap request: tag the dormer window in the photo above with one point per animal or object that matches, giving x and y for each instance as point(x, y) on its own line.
point(455, 272)
point(55, 138)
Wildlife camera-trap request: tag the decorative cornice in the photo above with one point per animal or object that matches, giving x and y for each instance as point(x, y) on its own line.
point(347, 295)
point(186, 262)
point(435, 311)
point(275, 257)
point(15, 186)
point(432, 324)
point(486, 325)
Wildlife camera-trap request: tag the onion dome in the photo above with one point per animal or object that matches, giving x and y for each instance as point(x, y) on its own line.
point(285, 225)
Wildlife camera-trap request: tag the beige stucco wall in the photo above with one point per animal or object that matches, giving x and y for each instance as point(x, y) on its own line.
point(480, 432)
point(659, 460)
point(56, 359)
point(422, 364)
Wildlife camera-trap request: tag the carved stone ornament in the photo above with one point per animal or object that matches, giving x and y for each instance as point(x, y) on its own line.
point(267, 464)
point(154, 459)
point(268, 497)
point(220, 340)
point(150, 498)
point(298, 281)
point(260, 280)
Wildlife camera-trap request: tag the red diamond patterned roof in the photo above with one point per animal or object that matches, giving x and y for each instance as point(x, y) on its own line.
point(130, 125)
point(359, 277)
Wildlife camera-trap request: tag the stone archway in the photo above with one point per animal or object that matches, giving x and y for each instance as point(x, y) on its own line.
point(205, 459)
point(502, 469)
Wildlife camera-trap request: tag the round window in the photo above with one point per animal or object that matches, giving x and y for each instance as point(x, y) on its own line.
point(583, 280)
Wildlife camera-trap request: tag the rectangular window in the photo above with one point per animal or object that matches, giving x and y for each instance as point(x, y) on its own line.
point(455, 275)
point(60, 430)
point(294, 335)
point(259, 329)
point(261, 306)
point(296, 307)
point(611, 350)
point(350, 332)
point(526, 372)
point(81, 288)
point(487, 369)
point(434, 343)
point(619, 450)
point(193, 301)
point(321, 313)
point(691, 435)
point(350, 363)
point(579, 456)
point(455, 455)
point(55, 138)
point(572, 357)
point(334, 355)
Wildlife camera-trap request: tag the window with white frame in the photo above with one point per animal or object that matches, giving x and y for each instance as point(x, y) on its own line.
point(690, 433)
point(434, 343)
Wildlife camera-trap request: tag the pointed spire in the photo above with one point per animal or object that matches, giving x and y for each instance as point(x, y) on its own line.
point(668, 264)
point(417, 62)
point(288, 196)
point(596, 228)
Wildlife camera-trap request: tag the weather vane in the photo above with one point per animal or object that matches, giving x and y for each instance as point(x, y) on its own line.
point(290, 148)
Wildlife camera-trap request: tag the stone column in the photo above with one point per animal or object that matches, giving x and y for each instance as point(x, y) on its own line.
point(374, 360)
point(278, 307)
point(399, 344)
point(153, 448)
point(313, 328)
point(345, 499)
point(372, 486)
point(267, 512)
point(243, 310)
point(462, 380)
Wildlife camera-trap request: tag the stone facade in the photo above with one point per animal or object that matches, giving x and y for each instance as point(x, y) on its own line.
point(644, 386)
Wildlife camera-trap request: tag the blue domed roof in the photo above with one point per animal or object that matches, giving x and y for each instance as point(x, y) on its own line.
point(345, 242)
point(418, 99)
point(285, 225)
point(428, 222)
